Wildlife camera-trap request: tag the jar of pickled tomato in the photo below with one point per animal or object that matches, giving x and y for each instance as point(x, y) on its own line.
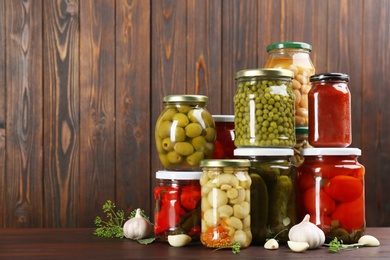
point(331, 191)
point(226, 218)
point(224, 142)
point(330, 111)
point(294, 56)
point(185, 132)
point(264, 108)
point(273, 192)
point(177, 204)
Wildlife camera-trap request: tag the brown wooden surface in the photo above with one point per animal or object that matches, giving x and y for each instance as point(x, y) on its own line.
point(82, 83)
point(82, 244)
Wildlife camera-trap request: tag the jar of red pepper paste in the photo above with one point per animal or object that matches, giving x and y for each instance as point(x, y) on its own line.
point(224, 142)
point(331, 190)
point(177, 204)
point(329, 110)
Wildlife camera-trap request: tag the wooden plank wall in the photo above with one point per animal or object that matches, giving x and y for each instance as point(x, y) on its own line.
point(82, 83)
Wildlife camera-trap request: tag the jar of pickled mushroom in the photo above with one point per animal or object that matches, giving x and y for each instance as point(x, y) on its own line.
point(301, 135)
point(330, 111)
point(331, 190)
point(273, 192)
point(294, 56)
point(177, 204)
point(185, 132)
point(225, 204)
point(264, 108)
point(224, 142)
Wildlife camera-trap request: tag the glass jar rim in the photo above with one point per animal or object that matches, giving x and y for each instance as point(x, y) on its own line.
point(265, 72)
point(178, 175)
point(186, 98)
point(329, 76)
point(331, 151)
point(225, 163)
point(263, 152)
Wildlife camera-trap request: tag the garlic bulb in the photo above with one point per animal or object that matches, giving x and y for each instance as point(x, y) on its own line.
point(307, 232)
point(137, 227)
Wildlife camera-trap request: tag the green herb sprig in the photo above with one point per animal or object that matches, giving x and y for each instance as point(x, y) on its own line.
point(236, 247)
point(336, 245)
point(112, 227)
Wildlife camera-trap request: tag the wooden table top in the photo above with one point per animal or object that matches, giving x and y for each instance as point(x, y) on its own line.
point(82, 244)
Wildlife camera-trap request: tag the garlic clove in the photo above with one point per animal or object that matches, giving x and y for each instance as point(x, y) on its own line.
point(298, 246)
point(271, 244)
point(368, 240)
point(179, 240)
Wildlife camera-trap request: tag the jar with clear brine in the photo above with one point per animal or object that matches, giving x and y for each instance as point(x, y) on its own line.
point(273, 192)
point(225, 189)
point(294, 56)
point(264, 108)
point(177, 204)
point(331, 191)
point(185, 132)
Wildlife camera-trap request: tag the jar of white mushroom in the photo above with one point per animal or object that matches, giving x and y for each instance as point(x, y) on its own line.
point(225, 203)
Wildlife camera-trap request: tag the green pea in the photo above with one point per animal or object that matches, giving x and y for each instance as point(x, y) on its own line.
point(183, 148)
point(193, 130)
point(182, 119)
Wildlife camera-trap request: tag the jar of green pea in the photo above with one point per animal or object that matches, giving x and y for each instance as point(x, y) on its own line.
point(185, 132)
point(264, 108)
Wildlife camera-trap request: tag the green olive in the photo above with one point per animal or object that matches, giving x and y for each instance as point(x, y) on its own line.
point(184, 148)
point(180, 134)
point(167, 114)
point(195, 116)
point(208, 119)
point(182, 119)
point(195, 158)
point(193, 130)
point(159, 145)
point(174, 158)
point(164, 160)
point(198, 143)
point(164, 129)
point(184, 109)
point(210, 134)
point(167, 144)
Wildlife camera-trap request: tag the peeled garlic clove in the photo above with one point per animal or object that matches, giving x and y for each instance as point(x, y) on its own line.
point(298, 246)
point(368, 240)
point(271, 244)
point(179, 240)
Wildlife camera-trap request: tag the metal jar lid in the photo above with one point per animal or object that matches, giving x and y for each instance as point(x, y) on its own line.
point(271, 72)
point(225, 163)
point(186, 98)
point(289, 45)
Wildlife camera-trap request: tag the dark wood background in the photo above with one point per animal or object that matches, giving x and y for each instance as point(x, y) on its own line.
point(82, 82)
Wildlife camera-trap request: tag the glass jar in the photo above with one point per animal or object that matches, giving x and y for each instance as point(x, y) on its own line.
point(177, 204)
point(301, 134)
point(224, 142)
point(330, 111)
point(331, 190)
point(264, 108)
point(294, 56)
point(273, 192)
point(225, 206)
point(185, 132)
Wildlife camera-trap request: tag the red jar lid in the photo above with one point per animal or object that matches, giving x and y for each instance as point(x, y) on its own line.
point(330, 151)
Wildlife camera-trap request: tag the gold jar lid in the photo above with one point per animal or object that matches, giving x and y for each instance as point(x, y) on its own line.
point(269, 72)
point(225, 163)
point(186, 98)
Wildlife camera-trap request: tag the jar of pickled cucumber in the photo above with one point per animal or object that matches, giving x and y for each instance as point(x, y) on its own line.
point(177, 204)
point(264, 108)
point(273, 192)
point(185, 132)
point(225, 203)
point(331, 190)
point(224, 142)
point(294, 56)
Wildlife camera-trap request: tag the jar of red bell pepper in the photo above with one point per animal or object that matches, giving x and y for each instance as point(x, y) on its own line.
point(329, 110)
point(177, 204)
point(331, 190)
point(224, 142)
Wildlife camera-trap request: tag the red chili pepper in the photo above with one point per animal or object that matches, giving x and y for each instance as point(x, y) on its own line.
point(190, 197)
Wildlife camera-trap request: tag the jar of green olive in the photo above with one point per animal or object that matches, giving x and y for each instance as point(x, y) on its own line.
point(273, 192)
point(185, 132)
point(264, 108)
point(225, 203)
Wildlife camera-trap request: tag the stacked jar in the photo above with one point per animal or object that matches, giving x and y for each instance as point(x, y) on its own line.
point(265, 134)
point(184, 135)
point(224, 142)
point(331, 180)
point(295, 56)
